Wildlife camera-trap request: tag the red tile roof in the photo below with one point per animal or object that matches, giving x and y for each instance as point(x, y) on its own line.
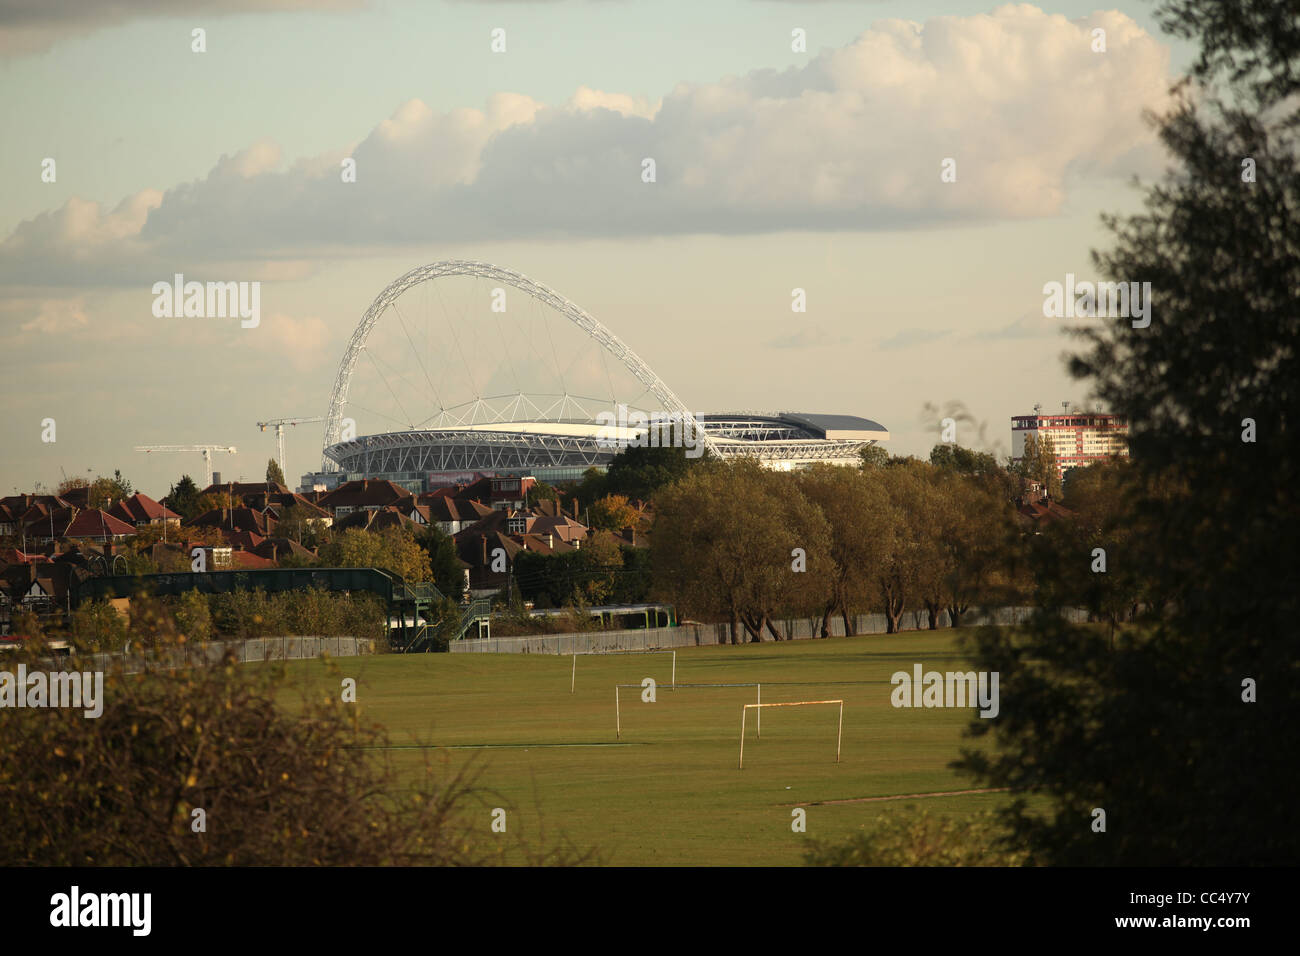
point(367, 491)
point(141, 509)
point(94, 523)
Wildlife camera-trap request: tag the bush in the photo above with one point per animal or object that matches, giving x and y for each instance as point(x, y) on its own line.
point(916, 838)
point(97, 626)
point(193, 616)
point(278, 787)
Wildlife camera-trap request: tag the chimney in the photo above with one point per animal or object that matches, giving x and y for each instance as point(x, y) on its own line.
point(483, 538)
point(575, 507)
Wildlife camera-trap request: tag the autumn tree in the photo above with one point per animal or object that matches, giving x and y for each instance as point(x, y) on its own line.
point(861, 519)
point(973, 536)
point(393, 549)
point(279, 775)
point(105, 491)
point(743, 544)
point(1039, 464)
point(874, 456)
point(901, 579)
point(612, 513)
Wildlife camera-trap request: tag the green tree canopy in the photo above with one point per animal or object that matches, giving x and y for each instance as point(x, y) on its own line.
point(183, 498)
point(273, 472)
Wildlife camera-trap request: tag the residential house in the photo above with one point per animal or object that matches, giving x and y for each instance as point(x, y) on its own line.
point(142, 511)
point(363, 495)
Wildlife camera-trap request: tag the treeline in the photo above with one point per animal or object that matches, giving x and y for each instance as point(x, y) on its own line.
point(743, 545)
point(749, 546)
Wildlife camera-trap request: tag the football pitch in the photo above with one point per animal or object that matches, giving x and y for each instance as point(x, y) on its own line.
point(669, 791)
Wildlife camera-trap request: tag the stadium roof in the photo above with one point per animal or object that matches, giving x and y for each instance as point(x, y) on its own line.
point(845, 427)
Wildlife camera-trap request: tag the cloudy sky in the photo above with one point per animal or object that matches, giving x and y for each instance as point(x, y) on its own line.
point(775, 169)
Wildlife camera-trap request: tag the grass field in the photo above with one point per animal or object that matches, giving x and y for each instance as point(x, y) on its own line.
point(669, 792)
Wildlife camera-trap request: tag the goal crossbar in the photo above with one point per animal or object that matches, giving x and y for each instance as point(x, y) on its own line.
point(573, 677)
point(744, 713)
point(618, 717)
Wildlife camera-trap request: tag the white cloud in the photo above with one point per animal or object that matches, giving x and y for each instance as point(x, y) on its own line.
point(853, 140)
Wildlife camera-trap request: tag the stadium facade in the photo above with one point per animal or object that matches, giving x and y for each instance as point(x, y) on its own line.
point(426, 459)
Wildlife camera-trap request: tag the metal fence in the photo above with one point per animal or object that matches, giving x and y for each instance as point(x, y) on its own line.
point(698, 635)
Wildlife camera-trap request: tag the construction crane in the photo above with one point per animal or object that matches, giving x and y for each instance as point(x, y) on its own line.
point(207, 451)
point(278, 424)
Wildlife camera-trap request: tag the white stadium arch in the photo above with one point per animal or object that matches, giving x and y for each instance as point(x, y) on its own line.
point(519, 436)
point(486, 270)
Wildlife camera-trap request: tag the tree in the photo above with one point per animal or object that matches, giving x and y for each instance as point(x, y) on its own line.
point(303, 527)
point(612, 513)
point(541, 491)
point(97, 626)
point(979, 466)
point(598, 562)
point(183, 498)
point(901, 578)
point(725, 547)
point(303, 784)
point(105, 491)
point(1158, 726)
point(874, 456)
point(861, 519)
point(70, 484)
point(273, 473)
point(1039, 464)
point(975, 535)
point(215, 501)
point(639, 473)
point(393, 549)
point(194, 616)
point(445, 567)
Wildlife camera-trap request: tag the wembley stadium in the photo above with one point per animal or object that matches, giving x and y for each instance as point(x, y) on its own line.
point(548, 431)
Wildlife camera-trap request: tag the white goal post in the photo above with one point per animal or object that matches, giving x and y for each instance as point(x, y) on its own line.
point(744, 713)
point(573, 677)
point(618, 717)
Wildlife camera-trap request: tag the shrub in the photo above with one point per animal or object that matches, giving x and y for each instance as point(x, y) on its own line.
point(913, 837)
point(307, 786)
